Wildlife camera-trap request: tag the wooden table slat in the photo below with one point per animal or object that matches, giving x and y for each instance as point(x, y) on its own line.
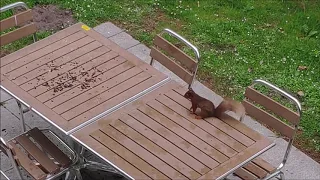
point(43, 60)
point(162, 142)
point(234, 161)
point(39, 45)
point(103, 96)
point(142, 153)
point(197, 142)
point(216, 123)
point(102, 81)
point(126, 154)
point(195, 130)
point(87, 94)
point(45, 52)
point(55, 65)
point(37, 86)
point(171, 136)
point(155, 149)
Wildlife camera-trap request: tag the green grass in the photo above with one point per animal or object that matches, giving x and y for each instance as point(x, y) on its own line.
point(239, 41)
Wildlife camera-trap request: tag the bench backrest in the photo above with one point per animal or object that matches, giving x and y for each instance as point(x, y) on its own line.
point(22, 22)
point(267, 109)
point(175, 59)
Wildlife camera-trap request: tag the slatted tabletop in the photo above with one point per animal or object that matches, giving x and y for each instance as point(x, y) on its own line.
point(155, 137)
point(74, 75)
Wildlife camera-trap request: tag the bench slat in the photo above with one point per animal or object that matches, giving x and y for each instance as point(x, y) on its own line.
point(39, 155)
point(245, 174)
point(26, 163)
point(272, 105)
point(49, 147)
point(19, 18)
point(263, 164)
point(17, 34)
point(175, 52)
point(268, 119)
point(171, 65)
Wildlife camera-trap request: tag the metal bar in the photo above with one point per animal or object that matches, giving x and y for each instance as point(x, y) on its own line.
point(114, 108)
point(32, 109)
point(245, 162)
point(106, 160)
point(195, 50)
point(14, 96)
point(298, 106)
point(13, 5)
point(151, 61)
point(4, 175)
point(35, 38)
point(23, 124)
point(289, 96)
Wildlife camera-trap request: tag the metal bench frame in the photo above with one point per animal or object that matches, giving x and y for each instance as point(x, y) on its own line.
point(187, 43)
point(6, 150)
point(3, 9)
point(278, 171)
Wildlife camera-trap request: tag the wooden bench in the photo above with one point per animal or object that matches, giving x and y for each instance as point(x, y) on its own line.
point(34, 152)
point(259, 168)
point(22, 23)
point(173, 58)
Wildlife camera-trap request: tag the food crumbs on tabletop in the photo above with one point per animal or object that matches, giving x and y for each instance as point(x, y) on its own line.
point(208, 109)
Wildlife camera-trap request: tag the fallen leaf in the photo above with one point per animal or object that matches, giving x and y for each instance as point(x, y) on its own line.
point(300, 93)
point(302, 67)
point(249, 70)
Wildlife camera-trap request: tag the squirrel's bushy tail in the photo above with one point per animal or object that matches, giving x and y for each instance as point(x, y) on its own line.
point(230, 105)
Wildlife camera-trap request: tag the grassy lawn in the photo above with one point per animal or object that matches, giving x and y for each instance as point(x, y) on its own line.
point(239, 41)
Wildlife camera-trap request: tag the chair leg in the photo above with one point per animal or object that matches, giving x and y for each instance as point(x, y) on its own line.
point(281, 176)
point(151, 61)
point(15, 165)
point(35, 38)
point(70, 175)
point(21, 116)
point(78, 174)
point(99, 166)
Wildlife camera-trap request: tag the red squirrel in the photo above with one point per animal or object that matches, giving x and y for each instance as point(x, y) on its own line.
point(206, 106)
point(208, 109)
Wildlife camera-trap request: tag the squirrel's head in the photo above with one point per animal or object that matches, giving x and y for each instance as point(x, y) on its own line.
point(189, 94)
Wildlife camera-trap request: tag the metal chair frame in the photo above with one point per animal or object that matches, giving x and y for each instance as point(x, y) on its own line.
point(73, 171)
point(278, 171)
point(8, 152)
point(187, 43)
point(14, 5)
point(4, 175)
point(3, 9)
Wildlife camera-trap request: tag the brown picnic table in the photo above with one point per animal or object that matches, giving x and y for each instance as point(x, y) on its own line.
point(124, 110)
point(74, 76)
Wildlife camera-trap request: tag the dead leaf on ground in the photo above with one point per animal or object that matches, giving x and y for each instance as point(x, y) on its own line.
point(300, 93)
point(249, 70)
point(302, 67)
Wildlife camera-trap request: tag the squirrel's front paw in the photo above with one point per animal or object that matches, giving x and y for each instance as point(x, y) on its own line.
point(198, 117)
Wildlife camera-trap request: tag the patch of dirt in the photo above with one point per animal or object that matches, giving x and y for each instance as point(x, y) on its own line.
point(4, 53)
point(52, 18)
point(305, 146)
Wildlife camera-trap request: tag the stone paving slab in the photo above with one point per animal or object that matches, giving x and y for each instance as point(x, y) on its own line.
point(4, 96)
point(107, 29)
point(124, 40)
